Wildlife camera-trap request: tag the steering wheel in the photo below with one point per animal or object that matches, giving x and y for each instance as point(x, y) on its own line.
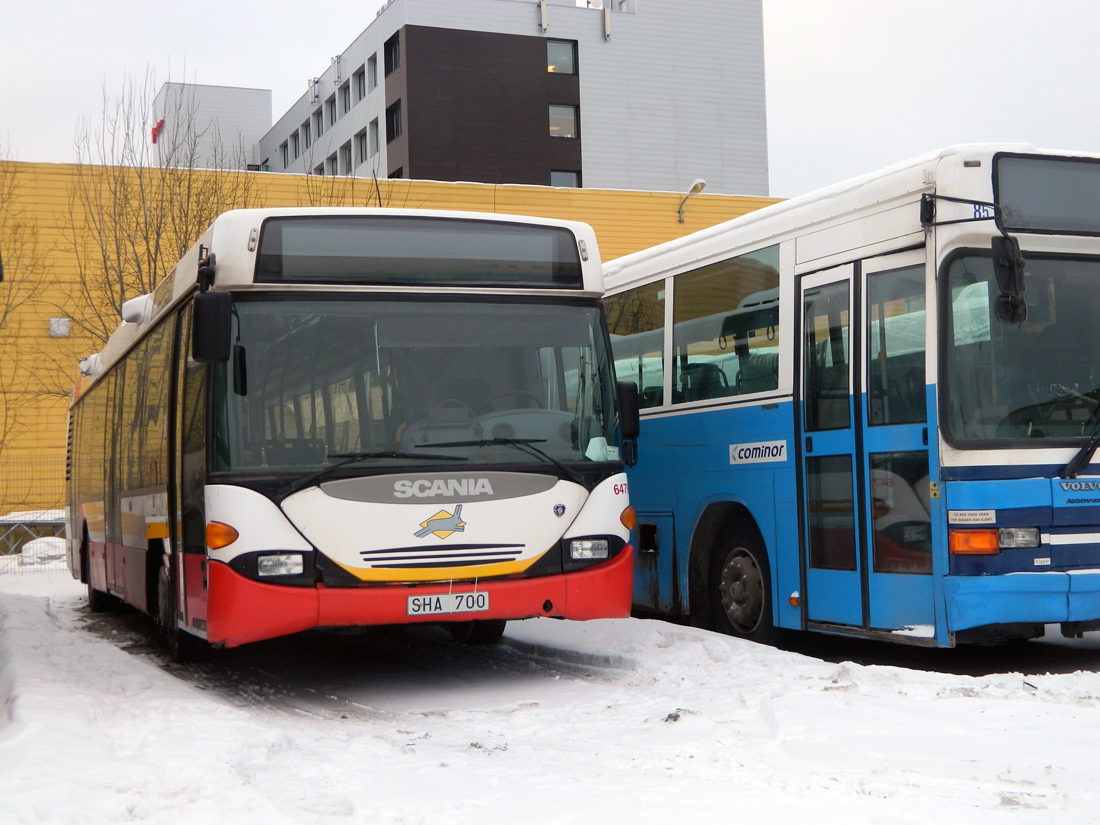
point(1035, 417)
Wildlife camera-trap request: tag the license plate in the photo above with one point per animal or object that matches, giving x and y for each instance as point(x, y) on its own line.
point(443, 603)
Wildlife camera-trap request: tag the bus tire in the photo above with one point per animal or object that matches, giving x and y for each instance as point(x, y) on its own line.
point(98, 601)
point(740, 585)
point(481, 632)
point(180, 645)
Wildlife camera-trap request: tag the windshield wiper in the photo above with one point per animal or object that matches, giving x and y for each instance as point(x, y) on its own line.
point(523, 444)
point(1085, 454)
point(350, 458)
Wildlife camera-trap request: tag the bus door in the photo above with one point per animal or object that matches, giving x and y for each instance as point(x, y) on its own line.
point(865, 462)
point(189, 520)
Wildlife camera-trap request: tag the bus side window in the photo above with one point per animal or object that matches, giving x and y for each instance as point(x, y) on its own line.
point(725, 336)
point(895, 346)
point(636, 319)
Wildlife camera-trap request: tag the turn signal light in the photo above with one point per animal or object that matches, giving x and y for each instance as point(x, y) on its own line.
point(973, 542)
point(220, 535)
point(629, 518)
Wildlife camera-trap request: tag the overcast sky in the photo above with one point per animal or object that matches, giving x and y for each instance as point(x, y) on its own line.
point(853, 85)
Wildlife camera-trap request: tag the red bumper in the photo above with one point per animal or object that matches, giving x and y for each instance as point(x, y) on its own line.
point(241, 610)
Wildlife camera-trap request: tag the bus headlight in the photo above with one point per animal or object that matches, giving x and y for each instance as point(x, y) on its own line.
point(280, 564)
point(1016, 538)
point(588, 549)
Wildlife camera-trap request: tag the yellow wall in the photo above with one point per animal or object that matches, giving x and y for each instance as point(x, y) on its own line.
point(37, 370)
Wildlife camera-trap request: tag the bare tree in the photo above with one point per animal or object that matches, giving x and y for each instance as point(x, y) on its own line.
point(135, 210)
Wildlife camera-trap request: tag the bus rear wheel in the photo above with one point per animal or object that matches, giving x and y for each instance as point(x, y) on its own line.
point(740, 586)
point(98, 601)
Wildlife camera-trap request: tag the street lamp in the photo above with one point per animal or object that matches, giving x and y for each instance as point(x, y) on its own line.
point(697, 186)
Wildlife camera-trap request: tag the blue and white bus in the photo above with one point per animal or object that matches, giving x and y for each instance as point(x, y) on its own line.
point(872, 410)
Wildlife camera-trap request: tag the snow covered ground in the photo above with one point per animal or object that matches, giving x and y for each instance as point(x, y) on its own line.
point(602, 722)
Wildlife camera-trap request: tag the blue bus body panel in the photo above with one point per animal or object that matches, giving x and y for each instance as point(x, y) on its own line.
point(683, 470)
point(1047, 598)
point(1058, 581)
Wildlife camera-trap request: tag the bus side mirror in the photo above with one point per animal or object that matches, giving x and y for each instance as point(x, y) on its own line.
point(210, 331)
point(1008, 267)
point(629, 421)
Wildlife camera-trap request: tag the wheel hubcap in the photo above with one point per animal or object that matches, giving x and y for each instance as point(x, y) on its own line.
point(742, 591)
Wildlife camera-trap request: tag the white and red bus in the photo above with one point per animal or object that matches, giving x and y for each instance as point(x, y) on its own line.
point(349, 417)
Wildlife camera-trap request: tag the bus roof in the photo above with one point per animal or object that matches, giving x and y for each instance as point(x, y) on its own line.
point(768, 224)
point(235, 239)
point(234, 236)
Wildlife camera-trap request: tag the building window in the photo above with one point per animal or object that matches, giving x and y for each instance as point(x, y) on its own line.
point(319, 169)
point(391, 53)
point(372, 72)
point(399, 172)
point(318, 123)
point(373, 129)
point(59, 327)
point(284, 150)
point(563, 121)
point(330, 165)
point(330, 111)
point(306, 138)
point(359, 80)
point(561, 56)
point(345, 158)
point(360, 147)
point(295, 146)
point(571, 180)
point(345, 98)
point(393, 122)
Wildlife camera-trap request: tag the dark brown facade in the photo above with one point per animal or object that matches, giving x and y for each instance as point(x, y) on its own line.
point(475, 106)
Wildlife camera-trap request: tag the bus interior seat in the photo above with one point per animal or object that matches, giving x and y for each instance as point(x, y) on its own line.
point(652, 397)
point(891, 387)
point(831, 397)
point(295, 451)
point(760, 374)
point(703, 380)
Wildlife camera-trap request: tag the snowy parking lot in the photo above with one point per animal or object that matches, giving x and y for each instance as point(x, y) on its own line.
point(625, 721)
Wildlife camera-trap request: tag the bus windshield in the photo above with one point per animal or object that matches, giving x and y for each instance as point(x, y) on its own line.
point(404, 383)
point(1036, 382)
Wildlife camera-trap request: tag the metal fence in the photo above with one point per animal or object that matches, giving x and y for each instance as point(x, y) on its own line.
point(32, 521)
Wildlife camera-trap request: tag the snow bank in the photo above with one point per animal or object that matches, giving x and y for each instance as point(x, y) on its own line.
point(613, 722)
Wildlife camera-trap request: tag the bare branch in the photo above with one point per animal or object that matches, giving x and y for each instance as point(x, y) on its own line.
point(132, 214)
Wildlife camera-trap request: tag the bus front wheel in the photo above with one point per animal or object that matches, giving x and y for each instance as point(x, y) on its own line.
point(181, 645)
point(481, 632)
point(740, 586)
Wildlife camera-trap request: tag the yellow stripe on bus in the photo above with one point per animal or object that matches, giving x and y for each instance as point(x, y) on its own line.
point(157, 530)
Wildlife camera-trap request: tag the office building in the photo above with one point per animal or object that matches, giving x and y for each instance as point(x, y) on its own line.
point(633, 94)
